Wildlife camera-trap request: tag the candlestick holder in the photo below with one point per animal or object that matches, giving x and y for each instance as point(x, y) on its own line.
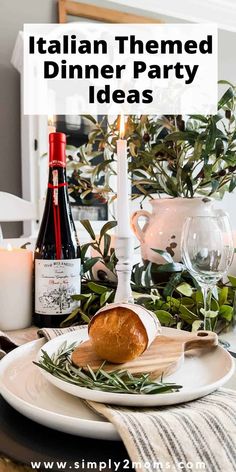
point(124, 253)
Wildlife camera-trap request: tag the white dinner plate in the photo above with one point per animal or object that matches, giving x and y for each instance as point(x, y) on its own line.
point(23, 386)
point(199, 375)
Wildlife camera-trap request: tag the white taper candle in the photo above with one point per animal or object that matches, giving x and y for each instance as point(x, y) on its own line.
point(123, 218)
point(123, 241)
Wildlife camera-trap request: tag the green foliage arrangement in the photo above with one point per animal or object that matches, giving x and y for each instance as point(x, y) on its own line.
point(182, 156)
point(168, 290)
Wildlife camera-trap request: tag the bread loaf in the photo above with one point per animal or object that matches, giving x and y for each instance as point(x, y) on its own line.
point(118, 334)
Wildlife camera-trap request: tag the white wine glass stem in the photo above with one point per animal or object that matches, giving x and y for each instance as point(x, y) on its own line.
point(206, 294)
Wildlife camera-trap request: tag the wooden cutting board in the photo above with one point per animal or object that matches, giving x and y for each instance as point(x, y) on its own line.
point(164, 356)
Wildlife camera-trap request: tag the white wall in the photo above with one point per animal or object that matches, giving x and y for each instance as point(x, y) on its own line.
point(227, 62)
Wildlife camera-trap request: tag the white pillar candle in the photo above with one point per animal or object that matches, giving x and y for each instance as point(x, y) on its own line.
point(16, 271)
point(123, 218)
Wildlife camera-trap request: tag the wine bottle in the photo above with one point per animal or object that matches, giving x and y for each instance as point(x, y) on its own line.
point(57, 252)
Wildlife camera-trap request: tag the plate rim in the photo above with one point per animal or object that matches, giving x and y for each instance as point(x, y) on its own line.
point(201, 391)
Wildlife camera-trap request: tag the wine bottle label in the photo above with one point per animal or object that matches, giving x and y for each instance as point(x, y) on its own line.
point(55, 283)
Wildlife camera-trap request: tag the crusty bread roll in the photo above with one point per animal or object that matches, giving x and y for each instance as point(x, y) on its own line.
point(118, 335)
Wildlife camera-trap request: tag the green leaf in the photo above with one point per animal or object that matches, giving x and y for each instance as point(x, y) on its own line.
point(89, 263)
point(228, 95)
point(174, 267)
point(84, 317)
point(71, 317)
point(163, 254)
point(84, 194)
point(214, 305)
point(133, 149)
point(229, 158)
point(199, 118)
point(211, 137)
point(187, 315)
point(187, 301)
point(89, 302)
point(93, 135)
point(165, 318)
point(182, 136)
point(214, 185)
point(226, 82)
point(171, 284)
point(84, 249)
point(148, 276)
point(86, 224)
point(226, 312)
point(81, 296)
point(107, 227)
point(105, 297)
point(97, 288)
point(209, 313)
point(198, 296)
point(179, 325)
point(174, 302)
point(100, 169)
point(185, 289)
point(223, 295)
point(198, 324)
point(90, 118)
point(107, 244)
point(232, 280)
point(220, 147)
point(137, 274)
point(232, 184)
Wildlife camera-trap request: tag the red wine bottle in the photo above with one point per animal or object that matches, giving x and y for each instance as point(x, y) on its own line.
point(57, 252)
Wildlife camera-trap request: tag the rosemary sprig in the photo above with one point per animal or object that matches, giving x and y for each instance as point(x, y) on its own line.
point(120, 381)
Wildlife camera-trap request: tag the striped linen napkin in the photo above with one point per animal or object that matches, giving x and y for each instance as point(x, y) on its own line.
point(12, 339)
point(199, 435)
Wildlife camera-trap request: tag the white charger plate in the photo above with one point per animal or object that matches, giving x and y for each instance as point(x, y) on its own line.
point(199, 375)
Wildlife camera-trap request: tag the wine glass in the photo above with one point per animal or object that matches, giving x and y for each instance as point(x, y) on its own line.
point(207, 251)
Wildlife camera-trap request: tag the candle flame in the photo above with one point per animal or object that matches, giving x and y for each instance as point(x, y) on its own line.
point(51, 120)
point(9, 247)
point(122, 126)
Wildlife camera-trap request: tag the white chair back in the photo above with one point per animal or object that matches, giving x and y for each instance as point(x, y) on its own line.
point(13, 208)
